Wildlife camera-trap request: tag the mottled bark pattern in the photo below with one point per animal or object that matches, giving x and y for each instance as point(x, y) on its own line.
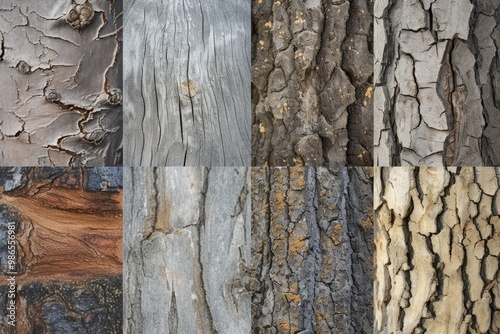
point(60, 102)
point(187, 73)
point(437, 237)
point(437, 98)
point(69, 255)
point(312, 245)
point(187, 249)
point(312, 73)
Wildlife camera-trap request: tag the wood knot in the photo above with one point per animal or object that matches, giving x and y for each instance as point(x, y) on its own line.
point(190, 88)
point(53, 96)
point(115, 97)
point(80, 15)
point(23, 67)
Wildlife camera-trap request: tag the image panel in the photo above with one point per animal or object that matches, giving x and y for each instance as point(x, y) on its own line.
point(187, 83)
point(312, 250)
point(60, 68)
point(437, 72)
point(312, 83)
point(61, 250)
point(437, 238)
point(187, 250)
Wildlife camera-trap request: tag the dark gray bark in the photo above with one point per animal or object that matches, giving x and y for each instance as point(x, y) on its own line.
point(61, 99)
point(437, 98)
point(187, 249)
point(312, 249)
point(437, 236)
point(312, 74)
point(187, 73)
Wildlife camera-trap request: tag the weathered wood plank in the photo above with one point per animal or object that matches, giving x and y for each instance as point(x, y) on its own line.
point(187, 74)
point(60, 103)
point(186, 249)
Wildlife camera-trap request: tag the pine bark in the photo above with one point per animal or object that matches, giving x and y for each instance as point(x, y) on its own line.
point(187, 250)
point(437, 98)
point(312, 76)
point(312, 250)
point(60, 102)
point(437, 236)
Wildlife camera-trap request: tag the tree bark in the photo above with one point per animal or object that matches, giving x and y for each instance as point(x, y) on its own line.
point(187, 250)
point(312, 76)
point(436, 76)
point(61, 96)
point(68, 233)
point(312, 246)
point(187, 68)
point(437, 237)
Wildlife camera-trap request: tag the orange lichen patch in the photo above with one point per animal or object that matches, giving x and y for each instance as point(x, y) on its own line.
point(262, 129)
point(367, 223)
point(368, 92)
point(319, 317)
point(267, 24)
point(284, 327)
point(297, 246)
point(294, 288)
point(301, 182)
point(297, 181)
point(293, 298)
point(337, 237)
point(280, 197)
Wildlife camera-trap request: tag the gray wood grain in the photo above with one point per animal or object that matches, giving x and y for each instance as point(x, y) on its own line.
point(186, 79)
point(60, 102)
point(186, 250)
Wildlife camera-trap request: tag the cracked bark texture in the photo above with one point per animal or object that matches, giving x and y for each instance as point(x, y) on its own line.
point(187, 69)
point(436, 76)
point(187, 249)
point(437, 237)
point(61, 96)
point(312, 250)
point(68, 225)
point(312, 76)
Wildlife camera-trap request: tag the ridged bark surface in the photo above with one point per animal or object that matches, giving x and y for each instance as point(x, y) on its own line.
point(312, 76)
point(437, 96)
point(187, 250)
point(437, 237)
point(312, 247)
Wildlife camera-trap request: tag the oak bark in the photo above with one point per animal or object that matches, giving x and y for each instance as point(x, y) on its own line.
point(312, 247)
point(437, 237)
point(312, 76)
point(187, 73)
point(437, 98)
point(61, 79)
point(68, 233)
point(187, 250)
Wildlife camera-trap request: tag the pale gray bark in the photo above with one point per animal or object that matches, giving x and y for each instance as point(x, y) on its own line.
point(186, 250)
point(61, 95)
point(437, 98)
point(187, 73)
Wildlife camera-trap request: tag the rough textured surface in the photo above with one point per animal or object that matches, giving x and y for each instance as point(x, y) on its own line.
point(187, 73)
point(437, 237)
point(80, 307)
point(312, 247)
point(436, 76)
point(186, 250)
point(58, 105)
point(312, 76)
point(69, 250)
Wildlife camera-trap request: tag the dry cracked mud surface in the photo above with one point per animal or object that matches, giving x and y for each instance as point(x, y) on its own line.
point(60, 68)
